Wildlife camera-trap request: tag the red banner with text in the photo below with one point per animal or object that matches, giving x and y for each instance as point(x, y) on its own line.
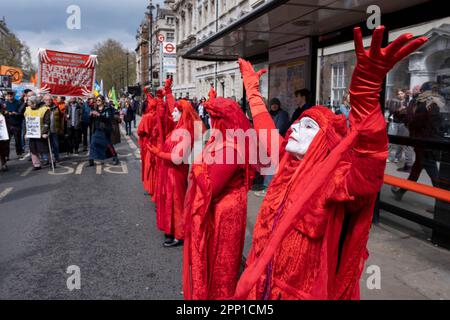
point(66, 74)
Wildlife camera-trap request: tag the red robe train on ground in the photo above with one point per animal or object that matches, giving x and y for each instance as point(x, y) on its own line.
point(173, 172)
point(216, 208)
point(311, 233)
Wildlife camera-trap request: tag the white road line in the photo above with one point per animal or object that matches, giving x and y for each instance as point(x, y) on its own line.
point(80, 167)
point(27, 172)
point(5, 193)
point(133, 146)
point(98, 169)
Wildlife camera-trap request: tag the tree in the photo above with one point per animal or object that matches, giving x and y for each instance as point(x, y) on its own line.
point(112, 65)
point(15, 53)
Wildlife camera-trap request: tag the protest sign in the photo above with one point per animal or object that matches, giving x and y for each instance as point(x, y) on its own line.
point(33, 125)
point(66, 74)
point(3, 130)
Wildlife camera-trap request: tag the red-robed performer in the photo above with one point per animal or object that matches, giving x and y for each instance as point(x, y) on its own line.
point(173, 172)
point(311, 233)
point(216, 206)
point(152, 130)
point(148, 133)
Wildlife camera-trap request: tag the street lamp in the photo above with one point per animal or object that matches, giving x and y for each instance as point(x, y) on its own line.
point(127, 70)
point(150, 9)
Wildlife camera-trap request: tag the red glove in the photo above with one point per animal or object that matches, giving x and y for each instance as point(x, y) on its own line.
point(372, 67)
point(153, 149)
point(160, 93)
point(168, 85)
point(212, 93)
point(251, 84)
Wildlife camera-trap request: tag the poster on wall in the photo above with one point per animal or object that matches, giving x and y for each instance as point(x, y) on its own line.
point(66, 74)
point(285, 79)
point(5, 82)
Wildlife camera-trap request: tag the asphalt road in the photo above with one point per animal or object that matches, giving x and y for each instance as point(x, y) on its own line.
point(95, 218)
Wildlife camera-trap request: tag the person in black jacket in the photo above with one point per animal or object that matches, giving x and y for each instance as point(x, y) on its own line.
point(101, 120)
point(427, 124)
point(128, 116)
point(14, 116)
point(302, 97)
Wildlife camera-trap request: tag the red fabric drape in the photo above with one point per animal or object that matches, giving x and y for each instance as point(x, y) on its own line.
point(216, 210)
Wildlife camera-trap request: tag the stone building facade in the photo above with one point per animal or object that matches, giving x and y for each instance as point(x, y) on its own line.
point(163, 23)
point(196, 21)
point(142, 54)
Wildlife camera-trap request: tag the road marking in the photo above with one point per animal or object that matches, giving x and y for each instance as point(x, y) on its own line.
point(122, 169)
point(98, 169)
point(80, 167)
point(124, 155)
point(129, 141)
point(27, 172)
point(5, 193)
point(61, 169)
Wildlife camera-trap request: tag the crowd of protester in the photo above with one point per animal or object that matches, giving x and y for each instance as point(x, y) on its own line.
point(69, 126)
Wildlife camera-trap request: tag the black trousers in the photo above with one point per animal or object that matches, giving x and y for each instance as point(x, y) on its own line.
point(84, 133)
point(425, 159)
point(16, 133)
point(128, 127)
point(73, 139)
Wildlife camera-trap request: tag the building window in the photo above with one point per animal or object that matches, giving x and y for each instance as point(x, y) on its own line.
point(170, 21)
point(338, 85)
point(170, 36)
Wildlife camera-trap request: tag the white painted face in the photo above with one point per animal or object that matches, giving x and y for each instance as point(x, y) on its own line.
point(176, 114)
point(303, 133)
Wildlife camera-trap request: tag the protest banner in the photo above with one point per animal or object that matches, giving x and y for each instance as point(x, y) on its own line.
point(3, 129)
point(33, 125)
point(15, 73)
point(66, 74)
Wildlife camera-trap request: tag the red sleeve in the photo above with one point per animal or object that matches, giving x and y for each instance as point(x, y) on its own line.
point(178, 152)
point(170, 100)
point(219, 175)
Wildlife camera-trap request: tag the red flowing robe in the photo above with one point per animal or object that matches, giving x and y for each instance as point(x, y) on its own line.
point(312, 230)
point(324, 254)
point(150, 132)
point(170, 195)
point(216, 215)
point(172, 177)
point(322, 257)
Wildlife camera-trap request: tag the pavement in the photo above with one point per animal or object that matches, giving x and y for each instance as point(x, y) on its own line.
point(98, 218)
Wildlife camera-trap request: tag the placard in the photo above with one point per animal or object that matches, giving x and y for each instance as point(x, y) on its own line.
point(33, 125)
point(3, 129)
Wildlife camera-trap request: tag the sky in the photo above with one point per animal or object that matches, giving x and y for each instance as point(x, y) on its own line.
point(43, 23)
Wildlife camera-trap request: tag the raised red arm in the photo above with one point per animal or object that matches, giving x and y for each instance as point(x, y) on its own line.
point(261, 117)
